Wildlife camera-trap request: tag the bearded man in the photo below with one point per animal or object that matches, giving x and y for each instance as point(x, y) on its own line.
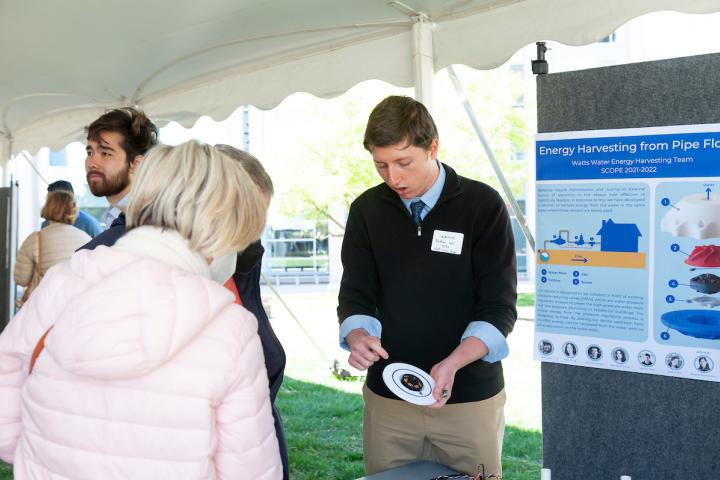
point(116, 144)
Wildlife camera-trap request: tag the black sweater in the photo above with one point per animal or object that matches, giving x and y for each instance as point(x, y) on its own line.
point(425, 299)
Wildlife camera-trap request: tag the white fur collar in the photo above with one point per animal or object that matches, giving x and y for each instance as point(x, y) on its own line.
point(166, 246)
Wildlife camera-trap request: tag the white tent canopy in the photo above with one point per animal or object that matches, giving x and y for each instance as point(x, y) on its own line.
point(65, 63)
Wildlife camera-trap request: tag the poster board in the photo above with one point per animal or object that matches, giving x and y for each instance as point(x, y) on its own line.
point(628, 250)
point(602, 423)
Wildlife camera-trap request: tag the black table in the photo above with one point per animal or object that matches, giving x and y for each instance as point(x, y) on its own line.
point(413, 471)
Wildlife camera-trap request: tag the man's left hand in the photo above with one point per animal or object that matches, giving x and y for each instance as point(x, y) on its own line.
point(444, 375)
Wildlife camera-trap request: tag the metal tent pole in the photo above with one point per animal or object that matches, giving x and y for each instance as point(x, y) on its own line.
point(423, 59)
point(491, 156)
point(5, 157)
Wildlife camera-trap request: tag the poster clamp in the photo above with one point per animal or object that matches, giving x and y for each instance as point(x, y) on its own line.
point(540, 66)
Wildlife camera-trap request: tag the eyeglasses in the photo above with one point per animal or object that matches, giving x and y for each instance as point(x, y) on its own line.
point(480, 475)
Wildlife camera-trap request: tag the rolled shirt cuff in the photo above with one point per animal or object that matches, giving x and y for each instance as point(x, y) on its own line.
point(370, 324)
point(496, 342)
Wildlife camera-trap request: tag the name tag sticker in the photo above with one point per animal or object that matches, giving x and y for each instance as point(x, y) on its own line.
point(447, 242)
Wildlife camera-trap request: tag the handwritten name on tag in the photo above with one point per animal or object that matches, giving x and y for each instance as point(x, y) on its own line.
point(447, 242)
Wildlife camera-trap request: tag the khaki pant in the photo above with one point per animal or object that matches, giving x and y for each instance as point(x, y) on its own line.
point(461, 435)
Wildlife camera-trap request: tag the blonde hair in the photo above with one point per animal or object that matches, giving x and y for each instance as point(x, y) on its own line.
point(60, 207)
point(201, 193)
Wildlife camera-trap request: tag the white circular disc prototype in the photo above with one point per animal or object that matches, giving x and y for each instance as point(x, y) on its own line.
point(409, 383)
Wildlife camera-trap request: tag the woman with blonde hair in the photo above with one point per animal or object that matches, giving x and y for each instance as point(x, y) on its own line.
point(134, 361)
point(50, 245)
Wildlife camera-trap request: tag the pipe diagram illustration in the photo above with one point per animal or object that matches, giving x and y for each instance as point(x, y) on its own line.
point(617, 246)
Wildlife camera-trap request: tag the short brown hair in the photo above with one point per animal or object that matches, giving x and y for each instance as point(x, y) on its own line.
point(400, 119)
point(139, 133)
point(252, 166)
point(60, 207)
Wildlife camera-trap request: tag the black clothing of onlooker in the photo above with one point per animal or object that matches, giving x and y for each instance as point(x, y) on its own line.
point(109, 236)
point(247, 282)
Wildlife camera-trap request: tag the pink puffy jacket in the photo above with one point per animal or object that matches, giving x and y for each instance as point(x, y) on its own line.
point(150, 372)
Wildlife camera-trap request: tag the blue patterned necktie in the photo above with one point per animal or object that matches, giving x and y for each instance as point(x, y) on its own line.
point(416, 207)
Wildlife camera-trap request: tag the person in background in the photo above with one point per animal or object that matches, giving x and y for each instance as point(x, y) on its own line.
point(50, 245)
point(116, 145)
point(84, 221)
point(246, 281)
point(134, 361)
point(429, 279)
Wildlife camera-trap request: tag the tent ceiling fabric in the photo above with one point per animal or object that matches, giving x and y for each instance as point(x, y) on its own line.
point(64, 63)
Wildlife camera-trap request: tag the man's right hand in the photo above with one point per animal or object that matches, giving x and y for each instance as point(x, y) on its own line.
point(364, 349)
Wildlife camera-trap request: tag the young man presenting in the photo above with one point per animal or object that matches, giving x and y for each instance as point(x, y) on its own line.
point(430, 280)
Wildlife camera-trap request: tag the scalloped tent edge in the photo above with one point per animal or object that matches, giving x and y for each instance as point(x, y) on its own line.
point(193, 60)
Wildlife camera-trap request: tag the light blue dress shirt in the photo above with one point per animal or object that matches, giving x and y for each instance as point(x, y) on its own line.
point(112, 213)
point(487, 332)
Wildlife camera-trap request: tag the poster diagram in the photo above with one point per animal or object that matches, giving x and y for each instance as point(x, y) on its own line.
point(628, 250)
point(592, 258)
point(688, 307)
point(613, 245)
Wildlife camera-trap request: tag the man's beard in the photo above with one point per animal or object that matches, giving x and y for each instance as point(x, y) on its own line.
point(110, 185)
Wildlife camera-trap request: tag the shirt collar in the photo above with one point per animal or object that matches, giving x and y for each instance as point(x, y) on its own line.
point(123, 202)
point(115, 210)
point(430, 197)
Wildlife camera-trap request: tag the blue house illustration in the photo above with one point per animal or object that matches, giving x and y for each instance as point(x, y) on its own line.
point(619, 237)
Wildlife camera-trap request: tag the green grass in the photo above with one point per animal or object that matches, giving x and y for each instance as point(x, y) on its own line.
point(297, 262)
point(526, 300)
point(522, 454)
point(324, 433)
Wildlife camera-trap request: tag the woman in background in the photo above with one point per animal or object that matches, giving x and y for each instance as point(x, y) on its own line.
point(52, 244)
point(133, 361)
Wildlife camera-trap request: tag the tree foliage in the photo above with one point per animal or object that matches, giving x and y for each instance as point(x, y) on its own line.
point(328, 166)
